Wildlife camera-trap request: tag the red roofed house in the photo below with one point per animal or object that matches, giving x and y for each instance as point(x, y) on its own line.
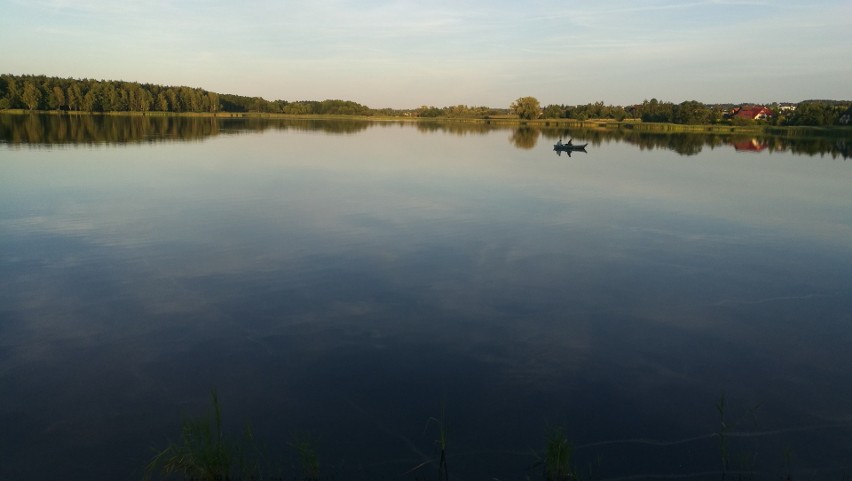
point(754, 112)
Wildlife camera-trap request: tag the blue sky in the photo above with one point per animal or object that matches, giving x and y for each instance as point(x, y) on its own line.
point(406, 53)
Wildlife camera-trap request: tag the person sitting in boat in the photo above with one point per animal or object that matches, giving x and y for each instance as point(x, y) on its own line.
point(559, 143)
point(569, 142)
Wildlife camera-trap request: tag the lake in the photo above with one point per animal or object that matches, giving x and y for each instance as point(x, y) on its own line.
point(675, 305)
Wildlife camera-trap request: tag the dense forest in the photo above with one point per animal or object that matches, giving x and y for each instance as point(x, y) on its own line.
point(39, 92)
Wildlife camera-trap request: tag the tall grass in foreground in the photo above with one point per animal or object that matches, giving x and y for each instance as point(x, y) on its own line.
point(443, 474)
point(204, 453)
point(556, 464)
point(308, 457)
point(723, 438)
point(441, 442)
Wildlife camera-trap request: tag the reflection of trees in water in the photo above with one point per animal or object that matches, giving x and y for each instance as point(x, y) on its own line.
point(682, 143)
point(331, 126)
point(455, 128)
point(525, 137)
point(38, 129)
point(97, 129)
point(119, 129)
point(693, 143)
point(834, 147)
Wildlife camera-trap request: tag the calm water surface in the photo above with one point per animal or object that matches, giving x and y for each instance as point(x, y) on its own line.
point(346, 282)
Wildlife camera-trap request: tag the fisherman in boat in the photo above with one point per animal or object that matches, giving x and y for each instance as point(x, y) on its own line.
point(559, 145)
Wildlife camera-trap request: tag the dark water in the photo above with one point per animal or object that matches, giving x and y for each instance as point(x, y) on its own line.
point(345, 282)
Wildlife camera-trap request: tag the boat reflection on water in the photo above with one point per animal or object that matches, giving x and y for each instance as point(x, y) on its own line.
point(568, 147)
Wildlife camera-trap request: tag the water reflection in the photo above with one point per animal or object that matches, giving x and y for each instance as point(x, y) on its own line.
point(750, 145)
point(44, 130)
point(456, 128)
point(689, 143)
point(102, 129)
point(346, 285)
point(38, 130)
point(524, 137)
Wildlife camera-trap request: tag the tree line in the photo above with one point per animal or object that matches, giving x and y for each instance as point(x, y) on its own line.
point(39, 92)
point(691, 112)
point(820, 113)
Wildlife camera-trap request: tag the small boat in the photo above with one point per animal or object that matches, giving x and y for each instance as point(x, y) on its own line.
point(568, 146)
point(565, 147)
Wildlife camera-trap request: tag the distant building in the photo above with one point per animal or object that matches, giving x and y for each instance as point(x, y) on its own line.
point(753, 112)
point(846, 117)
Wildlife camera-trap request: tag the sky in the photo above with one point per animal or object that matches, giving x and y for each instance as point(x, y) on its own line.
point(408, 53)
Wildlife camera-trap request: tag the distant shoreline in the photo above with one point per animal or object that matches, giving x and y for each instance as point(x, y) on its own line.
point(595, 124)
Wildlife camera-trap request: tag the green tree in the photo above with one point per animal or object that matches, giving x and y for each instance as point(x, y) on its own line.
point(553, 112)
point(123, 100)
point(74, 97)
point(714, 114)
point(90, 102)
point(815, 113)
point(526, 108)
point(428, 111)
point(134, 97)
point(656, 111)
point(213, 101)
point(597, 110)
point(690, 112)
point(31, 96)
point(5, 101)
point(190, 99)
point(14, 88)
point(145, 100)
point(57, 98)
point(108, 97)
point(162, 102)
point(174, 102)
